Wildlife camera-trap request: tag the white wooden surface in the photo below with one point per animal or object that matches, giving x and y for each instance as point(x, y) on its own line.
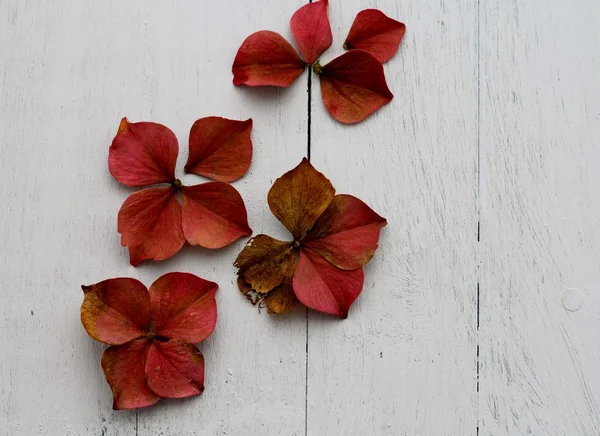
point(495, 122)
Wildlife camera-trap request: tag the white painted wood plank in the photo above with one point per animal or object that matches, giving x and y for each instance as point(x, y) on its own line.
point(540, 226)
point(70, 70)
point(404, 361)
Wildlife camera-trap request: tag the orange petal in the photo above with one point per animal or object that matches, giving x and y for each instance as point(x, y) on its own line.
point(143, 154)
point(266, 58)
point(376, 33)
point(353, 86)
point(324, 287)
point(214, 215)
point(183, 307)
point(299, 197)
point(116, 311)
point(263, 262)
point(347, 233)
point(150, 224)
point(220, 149)
point(175, 369)
point(125, 370)
point(311, 30)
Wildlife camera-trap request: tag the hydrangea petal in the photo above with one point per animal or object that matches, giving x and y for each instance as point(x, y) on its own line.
point(282, 299)
point(353, 86)
point(183, 306)
point(116, 311)
point(265, 58)
point(299, 197)
point(175, 369)
point(143, 154)
point(214, 215)
point(346, 234)
point(325, 288)
point(220, 149)
point(376, 33)
point(311, 30)
point(263, 262)
point(125, 370)
point(150, 224)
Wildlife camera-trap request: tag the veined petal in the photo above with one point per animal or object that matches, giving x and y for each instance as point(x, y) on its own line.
point(220, 149)
point(299, 197)
point(125, 370)
point(266, 58)
point(183, 306)
point(175, 369)
point(376, 33)
point(353, 86)
point(311, 30)
point(116, 311)
point(346, 234)
point(325, 288)
point(150, 224)
point(214, 215)
point(143, 154)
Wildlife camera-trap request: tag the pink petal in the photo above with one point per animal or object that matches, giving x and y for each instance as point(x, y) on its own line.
point(183, 307)
point(324, 287)
point(214, 215)
point(125, 370)
point(116, 311)
point(220, 149)
point(143, 154)
point(266, 58)
point(346, 234)
point(311, 30)
point(150, 224)
point(175, 369)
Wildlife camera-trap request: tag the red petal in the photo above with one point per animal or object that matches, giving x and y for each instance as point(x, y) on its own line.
point(353, 86)
point(311, 30)
point(375, 32)
point(323, 287)
point(125, 370)
point(175, 369)
point(266, 58)
point(346, 234)
point(116, 311)
point(220, 149)
point(143, 154)
point(150, 224)
point(214, 215)
point(183, 307)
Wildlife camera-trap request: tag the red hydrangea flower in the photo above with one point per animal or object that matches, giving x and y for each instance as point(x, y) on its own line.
point(353, 85)
point(152, 222)
point(152, 335)
point(334, 236)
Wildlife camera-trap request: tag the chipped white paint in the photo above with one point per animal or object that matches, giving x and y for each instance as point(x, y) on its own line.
point(406, 360)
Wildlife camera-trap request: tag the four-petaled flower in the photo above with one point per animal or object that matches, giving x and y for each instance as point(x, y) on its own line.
point(152, 222)
point(334, 237)
point(152, 335)
point(353, 85)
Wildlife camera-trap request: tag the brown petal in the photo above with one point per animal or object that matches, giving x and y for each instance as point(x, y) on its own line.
point(299, 197)
point(263, 263)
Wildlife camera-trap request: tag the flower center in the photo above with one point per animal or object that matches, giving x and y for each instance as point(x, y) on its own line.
point(177, 184)
point(317, 68)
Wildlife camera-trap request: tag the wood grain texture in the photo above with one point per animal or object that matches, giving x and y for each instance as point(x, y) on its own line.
point(494, 122)
point(540, 227)
point(70, 71)
point(404, 361)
